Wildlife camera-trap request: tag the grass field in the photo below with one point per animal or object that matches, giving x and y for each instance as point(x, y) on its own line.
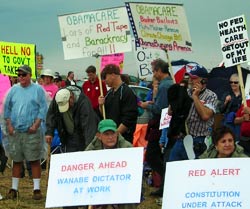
point(25, 200)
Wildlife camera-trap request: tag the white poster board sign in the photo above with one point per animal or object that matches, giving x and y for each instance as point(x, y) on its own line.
point(144, 57)
point(95, 177)
point(209, 183)
point(99, 32)
point(162, 26)
point(165, 119)
point(234, 41)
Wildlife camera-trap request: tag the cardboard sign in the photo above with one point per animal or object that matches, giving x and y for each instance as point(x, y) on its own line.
point(117, 59)
point(165, 119)
point(95, 177)
point(162, 26)
point(208, 183)
point(234, 41)
point(99, 32)
point(144, 57)
point(13, 55)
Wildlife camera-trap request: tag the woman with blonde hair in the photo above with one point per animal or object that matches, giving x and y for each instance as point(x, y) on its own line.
point(231, 102)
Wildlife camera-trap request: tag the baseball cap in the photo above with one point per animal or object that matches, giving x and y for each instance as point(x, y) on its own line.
point(196, 70)
point(62, 99)
point(106, 125)
point(24, 68)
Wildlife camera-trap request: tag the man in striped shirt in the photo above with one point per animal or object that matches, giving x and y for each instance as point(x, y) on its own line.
point(201, 114)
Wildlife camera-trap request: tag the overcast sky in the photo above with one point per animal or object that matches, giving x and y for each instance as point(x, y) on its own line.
point(36, 22)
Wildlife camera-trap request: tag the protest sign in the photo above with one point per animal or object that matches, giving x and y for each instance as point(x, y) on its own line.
point(116, 59)
point(5, 86)
point(208, 183)
point(99, 32)
point(95, 177)
point(234, 41)
point(165, 119)
point(144, 57)
point(162, 26)
point(13, 55)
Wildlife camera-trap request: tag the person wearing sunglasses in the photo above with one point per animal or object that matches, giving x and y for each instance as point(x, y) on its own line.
point(24, 109)
point(231, 102)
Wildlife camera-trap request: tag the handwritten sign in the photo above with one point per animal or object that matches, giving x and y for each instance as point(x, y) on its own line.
point(165, 119)
point(162, 26)
point(117, 59)
point(4, 87)
point(234, 41)
point(208, 183)
point(98, 32)
point(144, 57)
point(95, 177)
point(13, 55)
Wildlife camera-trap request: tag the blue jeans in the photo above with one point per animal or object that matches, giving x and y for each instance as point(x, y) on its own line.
point(178, 151)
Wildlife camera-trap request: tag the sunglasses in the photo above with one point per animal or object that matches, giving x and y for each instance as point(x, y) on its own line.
point(22, 74)
point(233, 82)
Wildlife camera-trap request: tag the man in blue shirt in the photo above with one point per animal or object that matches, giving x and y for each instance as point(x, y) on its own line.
point(24, 110)
point(161, 72)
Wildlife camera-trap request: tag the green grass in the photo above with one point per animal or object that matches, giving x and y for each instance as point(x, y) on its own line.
point(25, 201)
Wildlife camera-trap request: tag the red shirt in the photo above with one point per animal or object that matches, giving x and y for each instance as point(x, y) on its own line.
point(92, 91)
point(245, 125)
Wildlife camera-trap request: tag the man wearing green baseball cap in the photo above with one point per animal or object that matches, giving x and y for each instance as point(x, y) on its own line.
point(108, 137)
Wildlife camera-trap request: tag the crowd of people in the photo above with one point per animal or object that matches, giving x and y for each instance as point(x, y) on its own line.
point(102, 114)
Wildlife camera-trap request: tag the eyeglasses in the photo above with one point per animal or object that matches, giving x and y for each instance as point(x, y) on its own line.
point(22, 75)
point(233, 82)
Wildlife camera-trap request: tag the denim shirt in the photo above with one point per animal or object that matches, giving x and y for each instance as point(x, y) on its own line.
point(161, 99)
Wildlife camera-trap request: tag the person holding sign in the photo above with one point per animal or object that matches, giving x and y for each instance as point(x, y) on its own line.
point(120, 102)
point(24, 109)
point(71, 113)
point(108, 137)
point(223, 145)
point(231, 102)
point(161, 73)
point(243, 119)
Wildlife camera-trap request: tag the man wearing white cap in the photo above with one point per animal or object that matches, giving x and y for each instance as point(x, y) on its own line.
point(71, 113)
